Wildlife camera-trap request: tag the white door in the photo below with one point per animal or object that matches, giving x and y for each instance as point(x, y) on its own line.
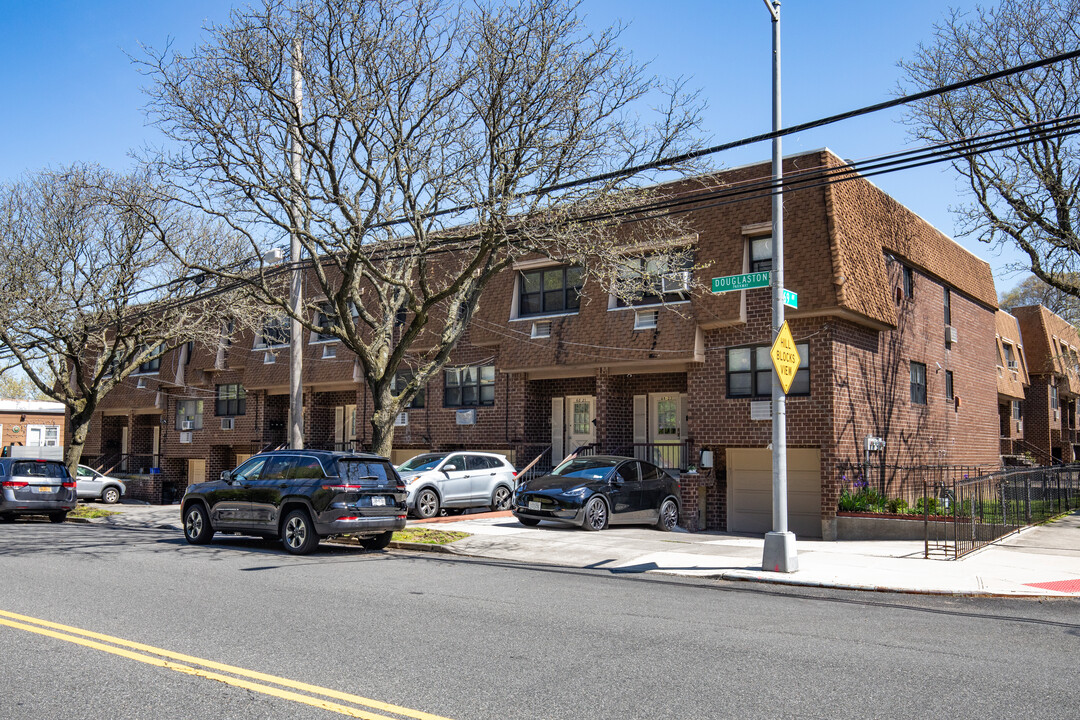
point(156, 445)
point(124, 440)
point(557, 435)
point(344, 426)
point(35, 436)
point(749, 500)
point(667, 426)
point(580, 428)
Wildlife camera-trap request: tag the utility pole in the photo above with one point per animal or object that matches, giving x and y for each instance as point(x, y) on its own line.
point(780, 554)
point(296, 346)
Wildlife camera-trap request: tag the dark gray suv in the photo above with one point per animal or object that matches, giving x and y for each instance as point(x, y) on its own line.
point(300, 496)
point(35, 487)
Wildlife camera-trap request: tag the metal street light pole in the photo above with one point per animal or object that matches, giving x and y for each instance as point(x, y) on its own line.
point(780, 554)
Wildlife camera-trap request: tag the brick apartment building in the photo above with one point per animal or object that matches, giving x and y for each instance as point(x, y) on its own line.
point(1052, 349)
point(1012, 384)
point(31, 423)
point(895, 325)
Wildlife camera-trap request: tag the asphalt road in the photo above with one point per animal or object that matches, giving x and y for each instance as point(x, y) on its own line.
point(186, 632)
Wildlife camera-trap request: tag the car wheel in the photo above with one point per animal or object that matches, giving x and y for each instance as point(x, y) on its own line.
point(596, 515)
point(298, 533)
point(528, 522)
point(197, 527)
point(669, 515)
point(378, 542)
point(110, 495)
point(57, 517)
point(500, 499)
point(427, 504)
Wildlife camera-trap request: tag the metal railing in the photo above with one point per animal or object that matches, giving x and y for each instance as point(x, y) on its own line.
point(965, 515)
point(896, 489)
point(670, 456)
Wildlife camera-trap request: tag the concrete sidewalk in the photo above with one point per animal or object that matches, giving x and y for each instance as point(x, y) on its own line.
point(1042, 561)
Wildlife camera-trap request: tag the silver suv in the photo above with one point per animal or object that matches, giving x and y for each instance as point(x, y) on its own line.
point(458, 480)
point(35, 487)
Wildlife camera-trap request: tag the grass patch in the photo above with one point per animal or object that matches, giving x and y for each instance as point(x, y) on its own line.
point(428, 536)
point(90, 512)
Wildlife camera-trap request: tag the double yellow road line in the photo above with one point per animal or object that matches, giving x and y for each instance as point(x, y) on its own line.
point(284, 688)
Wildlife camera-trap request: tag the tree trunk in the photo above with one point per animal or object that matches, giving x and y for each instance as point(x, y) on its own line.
point(74, 451)
point(382, 422)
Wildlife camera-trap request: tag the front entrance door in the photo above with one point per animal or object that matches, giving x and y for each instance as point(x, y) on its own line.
point(580, 428)
point(667, 428)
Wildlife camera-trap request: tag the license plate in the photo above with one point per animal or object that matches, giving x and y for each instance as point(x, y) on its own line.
point(46, 488)
point(378, 500)
point(533, 505)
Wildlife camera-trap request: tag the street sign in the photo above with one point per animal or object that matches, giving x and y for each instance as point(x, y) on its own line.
point(785, 357)
point(791, 299)
point(747, 281)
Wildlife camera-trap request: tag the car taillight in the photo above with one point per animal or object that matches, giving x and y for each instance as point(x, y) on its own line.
point(343, 488)
point(513, 474)
point(14, 483)
point(348, 518)
point(68, 483)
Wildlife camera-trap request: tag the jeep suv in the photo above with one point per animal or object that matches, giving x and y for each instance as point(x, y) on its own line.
point(300, 496)
point(35, 487)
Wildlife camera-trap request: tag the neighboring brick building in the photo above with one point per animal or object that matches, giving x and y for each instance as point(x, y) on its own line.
point(1012, 381)
point(31, 422)
point(1052, 349)
point(896, 326)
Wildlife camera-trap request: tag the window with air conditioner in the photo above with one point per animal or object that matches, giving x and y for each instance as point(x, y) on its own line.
point(654, 279)
point(329, 352)
point(1010, 356)
point(228, 423)
point(541, 329)
point(187, 425)
point(189, 414)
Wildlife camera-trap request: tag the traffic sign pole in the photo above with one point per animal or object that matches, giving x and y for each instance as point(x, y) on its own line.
point(780, 554)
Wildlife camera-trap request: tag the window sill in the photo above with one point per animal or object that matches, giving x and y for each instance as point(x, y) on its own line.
point(530, 318)
point(649, 306)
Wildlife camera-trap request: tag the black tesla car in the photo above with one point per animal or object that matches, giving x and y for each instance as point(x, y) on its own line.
point(595, 491)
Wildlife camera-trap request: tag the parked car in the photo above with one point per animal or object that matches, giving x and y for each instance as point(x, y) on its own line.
point(457, 480)
point(92, 485)
point(300, 496)
point(595, 491)
point(35, 487)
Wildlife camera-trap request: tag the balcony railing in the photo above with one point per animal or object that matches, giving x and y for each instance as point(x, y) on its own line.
point(670, 456)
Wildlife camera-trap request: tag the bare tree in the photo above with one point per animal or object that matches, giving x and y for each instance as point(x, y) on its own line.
point(89, 291)
point(436, 145)
point(1033, 291)
point(1025, 196)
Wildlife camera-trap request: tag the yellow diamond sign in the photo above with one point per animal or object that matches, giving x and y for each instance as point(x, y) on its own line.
point(785, 358)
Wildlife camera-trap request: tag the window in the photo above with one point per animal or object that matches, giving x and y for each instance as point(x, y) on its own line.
point(275, 332)
point(550, 290)
point(948, 385)
point(1053, 397)
point(909, 283)
point(231, 400)
point(400, 380)
point(646, 319)
point(190, 411)
point(1016, 410)
point(948, 307)
point(628, 472)
point(324, 318)
point(189, 351)
point(918, 383)
point(655, 279)
point(760, 254)
point(469, 386)
point(307, 468)
point(582, 417)
point(1010, 356)
point(750, 371)
point(152, 365)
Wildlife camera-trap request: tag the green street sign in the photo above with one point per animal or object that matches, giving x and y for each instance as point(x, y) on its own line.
point(791, 299)
point(747, 281)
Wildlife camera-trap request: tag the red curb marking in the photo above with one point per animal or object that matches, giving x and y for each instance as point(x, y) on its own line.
point(1067, 586)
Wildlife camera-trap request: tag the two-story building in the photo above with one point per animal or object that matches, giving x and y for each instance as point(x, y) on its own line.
point(895, 326)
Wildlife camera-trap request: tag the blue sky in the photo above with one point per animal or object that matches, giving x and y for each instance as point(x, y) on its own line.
point(73, 95)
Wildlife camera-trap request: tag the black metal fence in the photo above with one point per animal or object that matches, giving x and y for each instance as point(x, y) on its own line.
point(896, 489)
point(964, 515)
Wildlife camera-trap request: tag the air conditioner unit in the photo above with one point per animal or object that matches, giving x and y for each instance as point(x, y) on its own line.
point(1057, 414)
point(187, 424)
point(676, 282)
point(228, 423)
point(185, 438)
point(1019, 426)
point(329, 351)
point(402, 419)
point(141, 384)
point(465, 417)
point(950, 334)
point(1013, 365)
point(541, 329)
